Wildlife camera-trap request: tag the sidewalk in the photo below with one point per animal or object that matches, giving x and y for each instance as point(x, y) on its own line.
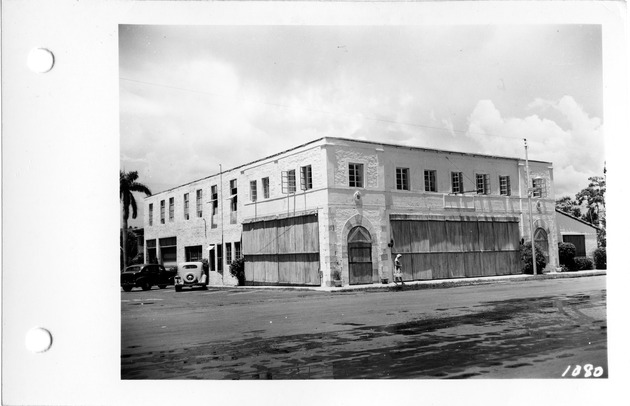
point(433, 284)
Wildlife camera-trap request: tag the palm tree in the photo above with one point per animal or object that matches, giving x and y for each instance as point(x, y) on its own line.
point(128, 185)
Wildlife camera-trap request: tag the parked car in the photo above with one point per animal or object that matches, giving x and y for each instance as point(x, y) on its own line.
point(190, 274)
point(145, 276)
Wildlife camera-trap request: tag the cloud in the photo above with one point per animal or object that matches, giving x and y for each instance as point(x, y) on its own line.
point(575, 149)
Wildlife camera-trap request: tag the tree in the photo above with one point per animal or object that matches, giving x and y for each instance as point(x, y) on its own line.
point(128, 185)
point(593, 197)
point(566, 205)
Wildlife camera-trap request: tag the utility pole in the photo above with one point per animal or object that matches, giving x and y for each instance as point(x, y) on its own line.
point(529, 206)
point(221, 199)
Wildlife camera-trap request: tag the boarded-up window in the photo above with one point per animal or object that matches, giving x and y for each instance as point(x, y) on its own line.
point(282, 251)
point(455, 248)
point(579, 241)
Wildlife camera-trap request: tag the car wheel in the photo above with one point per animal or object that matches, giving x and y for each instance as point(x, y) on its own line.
point(146, 286)
point(162, 286)
point(178, 288)
point(127, 288)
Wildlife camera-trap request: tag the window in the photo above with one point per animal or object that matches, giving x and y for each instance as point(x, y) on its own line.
point(150, 214)
point(253, 191)
point(199, 203)
point(579, 241)
point(504, 186)
point(168, 250)
point(237, 250)
point(186, 203)
point(457, 182)
point(483, 184)
point(171, 208)
point(539, 187)
point(215, 199)
point(193, 253)
point(429, 181)
point(355, 175)
point(233, 195)
point(151, 252)
point(228, 253)
point(211, 259)
point(402, 178)
point(265, 186)
point(162, 208)
point(291, 181)
point(220, 258)
point(306, 178)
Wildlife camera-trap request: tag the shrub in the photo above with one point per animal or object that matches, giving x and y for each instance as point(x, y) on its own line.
point(583, 263)
point(336, 275)
point(600, 258)
point(237, 269)
point(566, 252)
point(526, 259)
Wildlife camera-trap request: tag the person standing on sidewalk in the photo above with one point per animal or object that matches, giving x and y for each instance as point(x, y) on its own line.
point(398, 270)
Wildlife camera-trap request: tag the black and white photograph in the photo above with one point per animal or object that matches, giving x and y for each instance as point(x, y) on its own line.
point(319, 202)
point(359, 202)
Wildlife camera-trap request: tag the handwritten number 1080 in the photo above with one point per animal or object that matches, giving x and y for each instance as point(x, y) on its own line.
point(588, 370)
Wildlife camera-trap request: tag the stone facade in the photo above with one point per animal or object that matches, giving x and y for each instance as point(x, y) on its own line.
point(341, 207)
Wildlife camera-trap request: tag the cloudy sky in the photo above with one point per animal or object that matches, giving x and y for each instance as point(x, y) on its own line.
point(194, 97)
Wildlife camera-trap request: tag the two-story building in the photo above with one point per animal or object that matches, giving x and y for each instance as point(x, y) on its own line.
point(340, 206)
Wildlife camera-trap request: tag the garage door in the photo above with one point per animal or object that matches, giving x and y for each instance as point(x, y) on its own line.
point(282, 251)
point(456, 247)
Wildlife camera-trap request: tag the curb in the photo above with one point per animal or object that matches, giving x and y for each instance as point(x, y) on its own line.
point(432, 284)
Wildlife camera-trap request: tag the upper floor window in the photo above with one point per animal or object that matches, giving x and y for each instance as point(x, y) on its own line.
point(233, 195)
point(162, 209)
point(504, 186)
point(402, 178)
point(215, 199)
point(483, 184)
point(291, 181)
point(265, 186)
point(171, 208)
point(457, 182)
point(199, 203)
point(429, 181)
point(355, 175)
point(150, 214)
point(253, 191)
point(186, 206)
point(539, 186)
point(306, 177)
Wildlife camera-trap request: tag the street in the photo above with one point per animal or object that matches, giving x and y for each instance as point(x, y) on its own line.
point(553, 328)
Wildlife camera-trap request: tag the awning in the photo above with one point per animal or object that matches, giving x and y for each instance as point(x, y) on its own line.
point(210, 248)
point(232, 197)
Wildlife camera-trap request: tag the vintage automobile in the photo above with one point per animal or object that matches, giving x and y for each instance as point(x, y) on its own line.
point(145, 276)
point(191, 274)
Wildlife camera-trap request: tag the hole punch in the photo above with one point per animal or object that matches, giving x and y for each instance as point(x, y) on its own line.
point(40, 60)
point(38, 340)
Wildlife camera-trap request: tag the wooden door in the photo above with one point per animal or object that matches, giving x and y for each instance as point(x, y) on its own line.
point(360, 256)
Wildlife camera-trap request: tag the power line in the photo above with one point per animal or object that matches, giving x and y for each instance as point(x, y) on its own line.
point(280, 105)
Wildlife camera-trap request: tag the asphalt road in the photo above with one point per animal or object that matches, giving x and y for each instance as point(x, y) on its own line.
point(524, 329)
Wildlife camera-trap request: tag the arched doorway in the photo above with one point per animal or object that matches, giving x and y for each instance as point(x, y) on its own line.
point(542, 241)
point(360, 256)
